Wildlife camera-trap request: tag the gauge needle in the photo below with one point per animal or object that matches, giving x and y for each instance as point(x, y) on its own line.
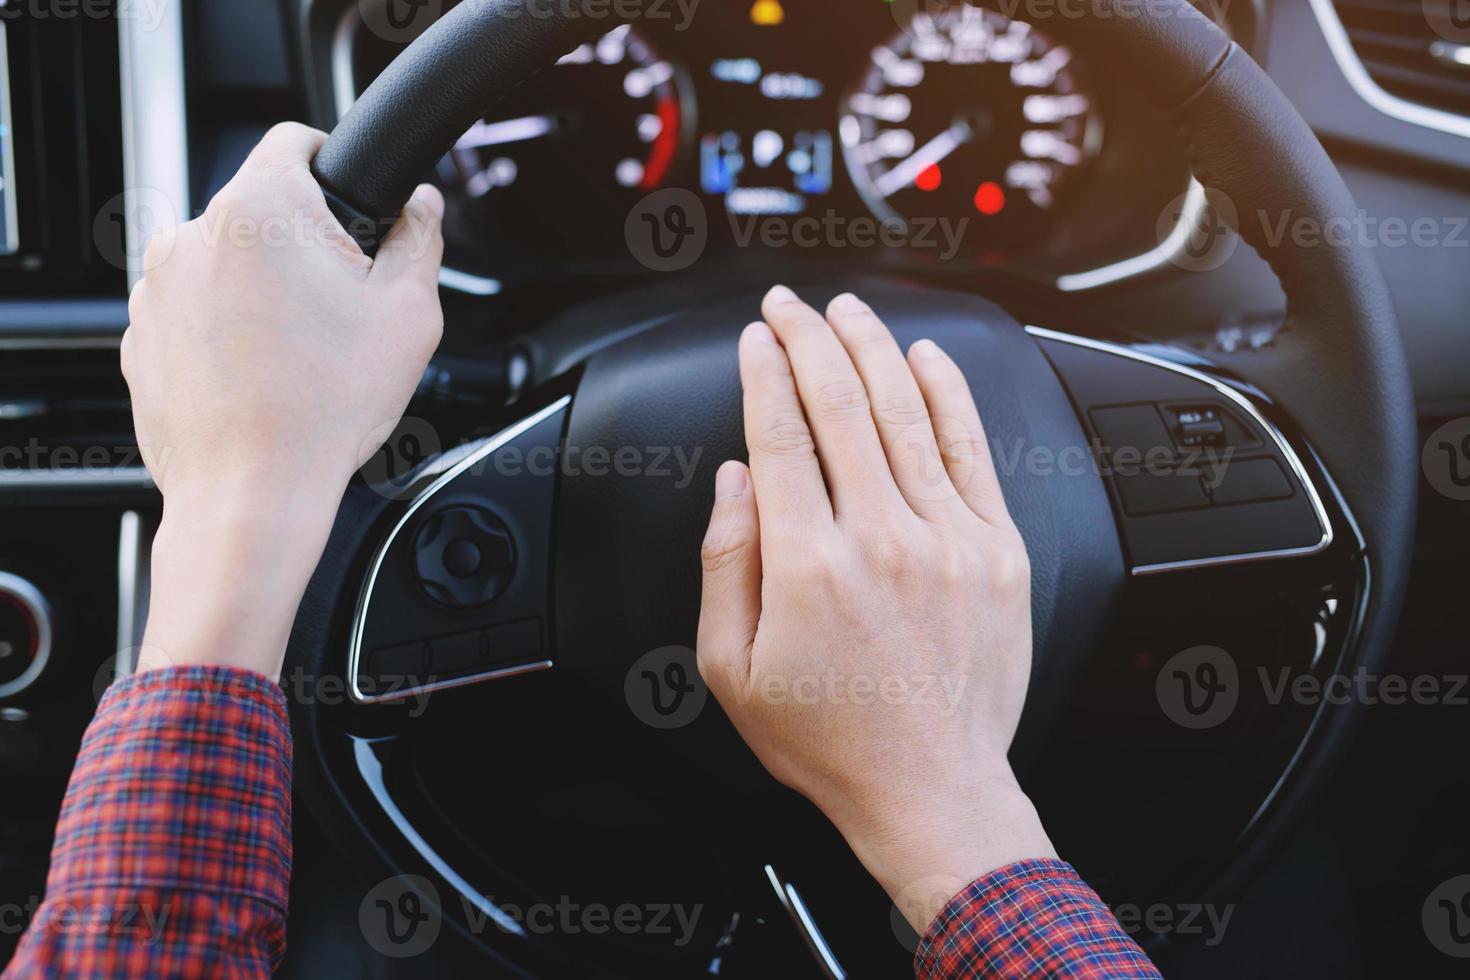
point(925, 156)
point(505, 131)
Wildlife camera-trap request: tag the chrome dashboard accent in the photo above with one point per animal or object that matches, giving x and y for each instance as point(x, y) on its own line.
point(155, 142)
point(1245, 405)
point(84, 342)
point(466, 458)
point(29, 598)
point(9, 205)
point(109, 478)
point(1369, 91)
point(467, 282)
point(134, 543)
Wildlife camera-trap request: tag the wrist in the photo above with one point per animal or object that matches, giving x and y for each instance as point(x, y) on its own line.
point(228, 571)
point(925, 845)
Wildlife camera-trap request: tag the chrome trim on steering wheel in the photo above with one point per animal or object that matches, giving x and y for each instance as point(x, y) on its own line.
point(1245, 405)
point(466, 458)
point(791, 901)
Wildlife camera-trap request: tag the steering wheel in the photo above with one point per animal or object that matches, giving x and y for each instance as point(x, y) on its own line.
point(526, 724)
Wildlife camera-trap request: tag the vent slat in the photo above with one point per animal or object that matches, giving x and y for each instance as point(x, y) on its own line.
point(1402, 52)
point(73, 410)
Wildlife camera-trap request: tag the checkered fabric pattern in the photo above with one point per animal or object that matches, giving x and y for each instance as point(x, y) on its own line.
point(173, 851)
point(173, 856)
point(1029, 919)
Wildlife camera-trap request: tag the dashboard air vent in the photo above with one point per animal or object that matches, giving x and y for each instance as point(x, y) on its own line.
point(1410, 48)
point(64, 409)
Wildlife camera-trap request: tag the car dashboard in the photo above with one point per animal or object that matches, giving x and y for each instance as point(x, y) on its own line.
point(957, 139)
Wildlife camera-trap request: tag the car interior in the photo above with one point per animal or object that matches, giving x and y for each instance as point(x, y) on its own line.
point(1206, 267)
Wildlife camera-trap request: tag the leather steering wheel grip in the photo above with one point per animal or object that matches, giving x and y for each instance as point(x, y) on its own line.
point(413, 112)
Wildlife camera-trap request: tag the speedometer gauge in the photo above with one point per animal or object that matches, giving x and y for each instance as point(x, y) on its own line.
point(559, 161)
point(967, 113)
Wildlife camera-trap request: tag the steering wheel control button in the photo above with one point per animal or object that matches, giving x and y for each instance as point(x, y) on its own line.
point(456, 655)
point(1199, 475)
point(458, 591)
point(1199, 427)
point(1158, 493)
point(1249, 480)
point(1131, 429)
point(25, 634)
point(464, 557)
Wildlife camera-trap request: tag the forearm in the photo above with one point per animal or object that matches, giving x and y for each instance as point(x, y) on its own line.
point(173, 851)
point(229, 570)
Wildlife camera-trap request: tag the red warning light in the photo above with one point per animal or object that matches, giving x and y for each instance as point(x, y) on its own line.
point(929, 178)
point(989, 198)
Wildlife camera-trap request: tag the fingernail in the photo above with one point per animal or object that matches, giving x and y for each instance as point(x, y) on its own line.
point(780, 294)
point(730, 479)
point(758, 331)
point(926, 349)
point(848, 303)
point(430, 195)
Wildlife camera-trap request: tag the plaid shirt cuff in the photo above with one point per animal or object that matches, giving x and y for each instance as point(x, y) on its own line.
point(1031, 918)
point(173, 851)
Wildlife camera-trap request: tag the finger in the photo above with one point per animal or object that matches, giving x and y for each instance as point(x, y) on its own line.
point(286, 148)
point(783, 458)
point(836, 406)
point(898, 408)
point(415, 245)
point(731, 604)
point(960, 435)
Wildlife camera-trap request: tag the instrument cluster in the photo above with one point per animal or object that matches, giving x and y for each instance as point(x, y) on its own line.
point(947, 132)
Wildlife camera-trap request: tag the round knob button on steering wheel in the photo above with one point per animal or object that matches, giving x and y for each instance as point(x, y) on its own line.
point(464, 556)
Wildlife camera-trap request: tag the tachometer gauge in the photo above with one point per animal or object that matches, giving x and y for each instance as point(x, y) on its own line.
point(967, 113)
point(578, 143)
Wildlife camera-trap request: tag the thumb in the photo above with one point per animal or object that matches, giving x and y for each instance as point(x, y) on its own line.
point(415, 244)
point(731, 604)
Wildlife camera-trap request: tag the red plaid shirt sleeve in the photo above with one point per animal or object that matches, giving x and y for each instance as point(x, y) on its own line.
point(1029, 919)
point(173, 851)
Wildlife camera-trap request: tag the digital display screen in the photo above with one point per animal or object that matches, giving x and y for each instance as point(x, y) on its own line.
point(774, 167)
point(9, 219)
